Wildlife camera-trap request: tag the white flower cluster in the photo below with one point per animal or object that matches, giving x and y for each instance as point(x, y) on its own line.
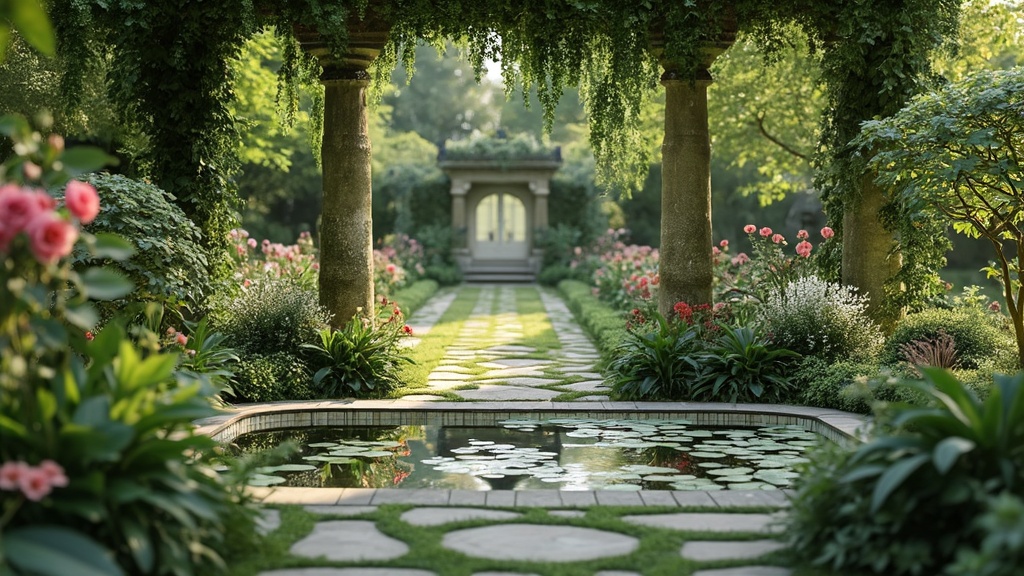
point(819, 318)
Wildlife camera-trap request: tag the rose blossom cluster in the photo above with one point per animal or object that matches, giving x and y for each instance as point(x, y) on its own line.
point(34, 482)
point(33, 212)
point(803, 249)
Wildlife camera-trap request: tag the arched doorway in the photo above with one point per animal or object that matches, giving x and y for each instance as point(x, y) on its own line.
point(500, 228)
point(498, 207)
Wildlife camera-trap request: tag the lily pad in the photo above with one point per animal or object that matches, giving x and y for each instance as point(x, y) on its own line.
point(265, 480)
point(285, 468)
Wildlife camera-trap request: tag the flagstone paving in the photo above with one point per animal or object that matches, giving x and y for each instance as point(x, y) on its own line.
point(488, 362)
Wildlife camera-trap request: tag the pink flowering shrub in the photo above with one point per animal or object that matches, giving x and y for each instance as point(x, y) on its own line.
point(770, 269)
point(397, 263)
point(624, 275)
point(260, 260)
point(118, 416)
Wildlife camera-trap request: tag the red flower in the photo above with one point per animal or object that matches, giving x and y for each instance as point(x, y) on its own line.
point(89, 335)
point(407, 329)
point(827, 233)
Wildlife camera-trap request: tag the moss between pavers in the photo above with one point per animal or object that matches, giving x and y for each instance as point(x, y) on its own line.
point(657, 554)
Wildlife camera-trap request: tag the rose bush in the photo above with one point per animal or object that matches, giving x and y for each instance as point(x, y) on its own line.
point(101, 471)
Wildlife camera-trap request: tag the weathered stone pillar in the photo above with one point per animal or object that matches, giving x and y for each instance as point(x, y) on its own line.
point(458, 191)
point(540, 191)
point(346, 229)
point(870, 254)
point(686, 270)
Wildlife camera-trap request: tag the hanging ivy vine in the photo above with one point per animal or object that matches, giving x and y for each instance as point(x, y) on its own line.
point(169, 69)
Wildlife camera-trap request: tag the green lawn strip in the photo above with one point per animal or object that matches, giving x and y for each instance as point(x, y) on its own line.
point(656, 555)
point(428, 353)
point(538, 332)
point(273, 551)
point(574, 395)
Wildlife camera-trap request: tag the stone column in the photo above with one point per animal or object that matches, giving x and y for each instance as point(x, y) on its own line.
point(346, 229)
point(540, 204)
point(686, 270)
point(458, 191)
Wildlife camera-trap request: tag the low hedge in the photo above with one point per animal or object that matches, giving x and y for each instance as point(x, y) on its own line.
point(605, 324)
point(412, 297)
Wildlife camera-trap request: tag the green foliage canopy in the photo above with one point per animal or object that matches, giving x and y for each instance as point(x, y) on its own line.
point(958, 151)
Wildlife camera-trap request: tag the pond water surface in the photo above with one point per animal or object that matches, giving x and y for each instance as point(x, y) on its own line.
point(565, 454)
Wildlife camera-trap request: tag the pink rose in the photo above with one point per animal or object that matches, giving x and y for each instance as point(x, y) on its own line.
point(802, 235)
point(827, 233)
point(804, 249)
point(724, 243)
point(181, 339)
point(390, 268)
point(54, 472)
point(18, 207)
point(10, 475)
point(32, 171)
point(778, 239)
point(765, 232)
point(251, 242)
point(82, 201)
point(51, 237)
point(715, 251)
point(35, 484)
point(750, 229)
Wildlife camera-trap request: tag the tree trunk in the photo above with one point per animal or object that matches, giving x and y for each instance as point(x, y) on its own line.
point(870, 253)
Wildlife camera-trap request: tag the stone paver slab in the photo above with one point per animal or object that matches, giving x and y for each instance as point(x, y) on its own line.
point(734, 498)
point(341, 510)
point(616, 498)
point(267, 521)
point(746, 571)
point(461, 497)
point(578, 498)
point(540, 498)
point(416, 496)
point(616, 573)
point(539, 543)
point(349, 541)
point(529, 381)
point(490, 392)
point(439, 516)
point(711, 550)
point(586, 386)
point(347, 572)
point(657, 498)
point(707, 521)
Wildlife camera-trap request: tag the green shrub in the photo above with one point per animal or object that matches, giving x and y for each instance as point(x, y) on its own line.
point(361, 358)
point(818, 318)
point(900, 503)
point(605, 324)
point(979, 339)
point(742, 366)
point(842, 385)
point(411, 298)
point(270, 315)
point(270, 378)
point(658, 364)
point(169, 262)
point(1001, 552)
point(555, 273)
point(443, 274)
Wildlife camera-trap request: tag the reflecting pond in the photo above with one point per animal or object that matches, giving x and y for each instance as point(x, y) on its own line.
point(565, 454)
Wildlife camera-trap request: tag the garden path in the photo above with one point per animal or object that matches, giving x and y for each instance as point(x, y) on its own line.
point(504, 353)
